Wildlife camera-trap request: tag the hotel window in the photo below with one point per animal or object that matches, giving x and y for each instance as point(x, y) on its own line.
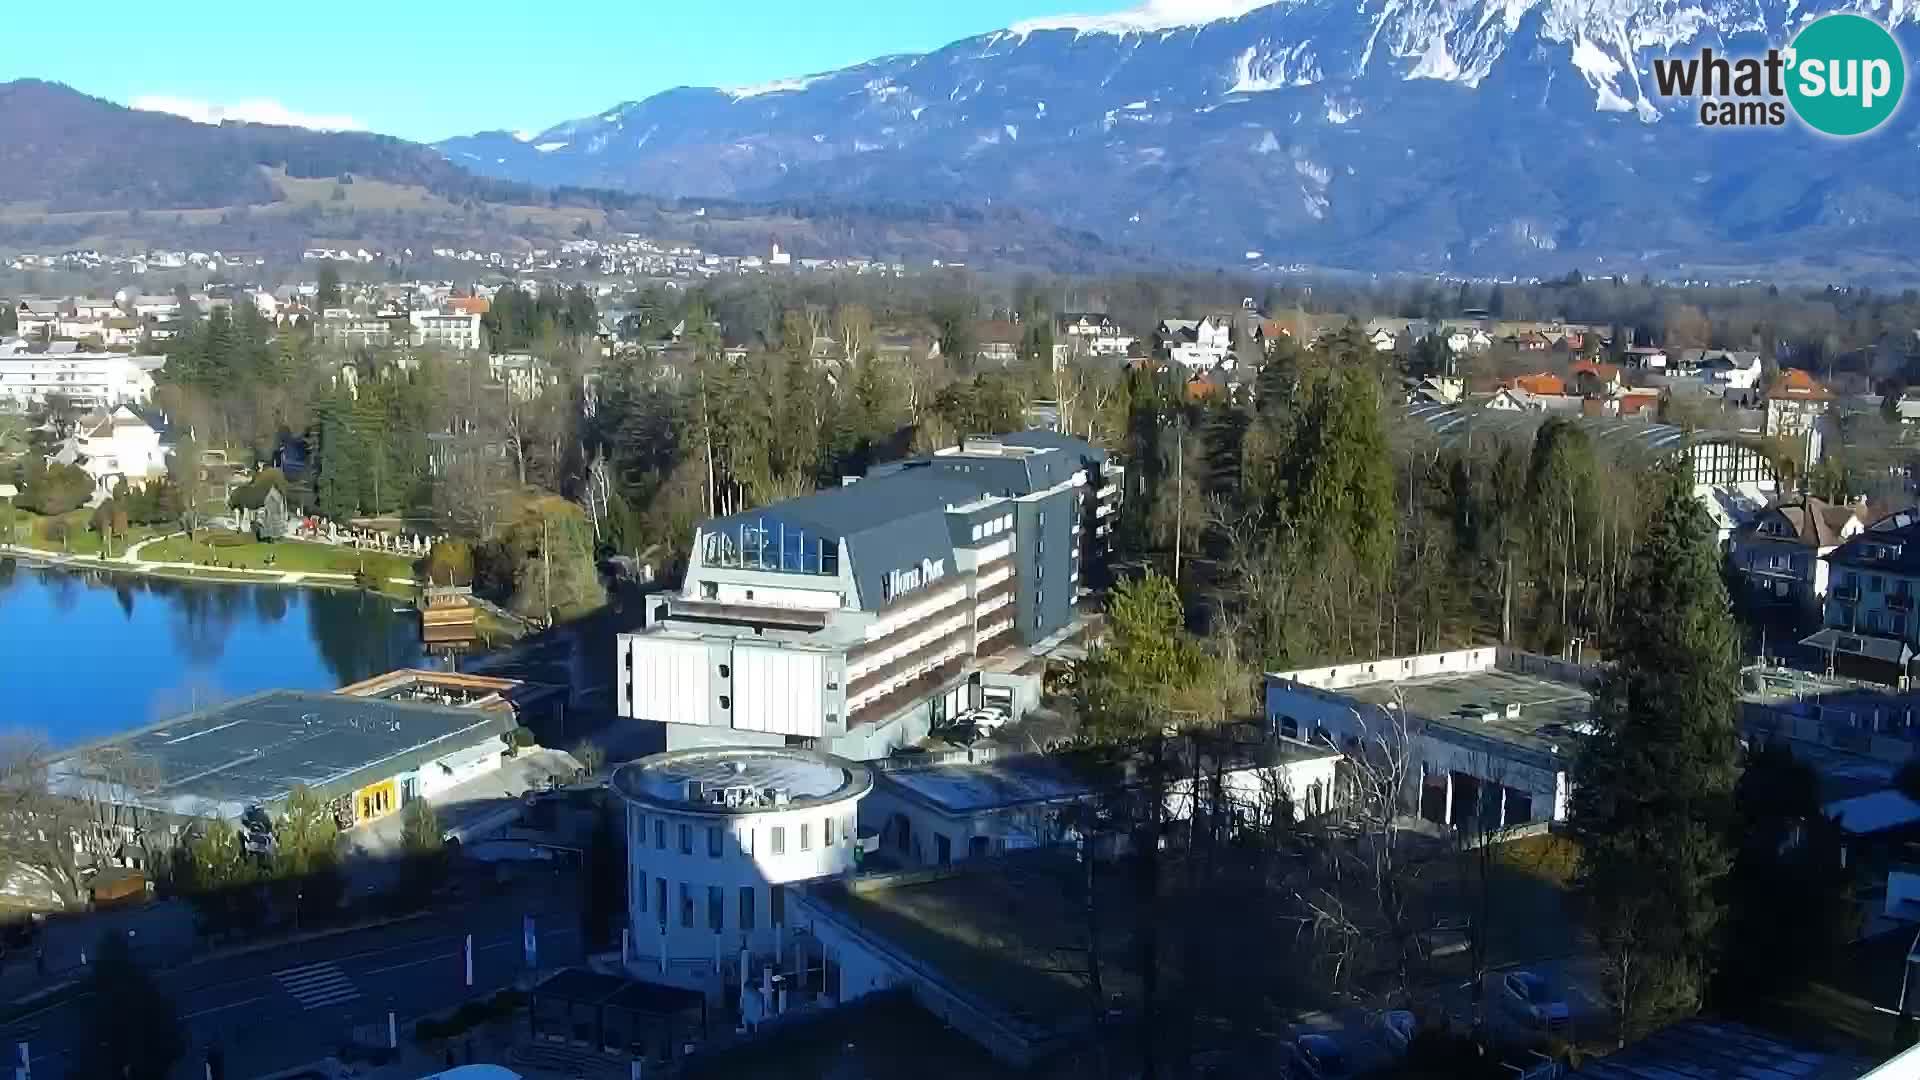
point(660, 833)
point(746, 907)
point(806, 837)
point(660, 899)
point(746, 841)
point(1874, 583)
point(686, 905)
point(714, 844)
point(640, 889)
point(826, 832)
point(686, 839)
point(779, 840)
point(716, 908)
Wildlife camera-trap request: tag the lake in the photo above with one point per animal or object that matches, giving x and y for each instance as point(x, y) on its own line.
point(85, 654)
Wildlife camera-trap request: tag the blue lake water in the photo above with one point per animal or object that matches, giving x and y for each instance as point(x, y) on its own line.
point(88, 654)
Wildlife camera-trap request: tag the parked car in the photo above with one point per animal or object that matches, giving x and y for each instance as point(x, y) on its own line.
point(989, 717)
point(1526, 996)
point(1318, 1056)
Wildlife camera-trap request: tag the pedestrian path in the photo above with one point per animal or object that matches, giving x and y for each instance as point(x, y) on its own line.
point(317, 986)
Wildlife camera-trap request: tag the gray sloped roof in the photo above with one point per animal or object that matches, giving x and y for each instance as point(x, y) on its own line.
point(896, 517)
point(1631, 442)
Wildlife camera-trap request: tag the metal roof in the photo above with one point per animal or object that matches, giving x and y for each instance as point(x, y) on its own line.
point(252, 751)
point(896, 516)
point(1635, 442)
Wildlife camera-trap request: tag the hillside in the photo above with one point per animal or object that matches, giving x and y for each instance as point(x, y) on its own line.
point(80, 172)
point(61, 150)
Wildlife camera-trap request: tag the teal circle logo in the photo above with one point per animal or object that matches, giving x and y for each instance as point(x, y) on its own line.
point(1845, 75)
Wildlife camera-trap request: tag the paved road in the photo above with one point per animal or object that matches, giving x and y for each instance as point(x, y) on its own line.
point(287, 1006)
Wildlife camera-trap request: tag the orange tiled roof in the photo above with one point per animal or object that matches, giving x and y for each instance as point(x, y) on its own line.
point(1544, 382)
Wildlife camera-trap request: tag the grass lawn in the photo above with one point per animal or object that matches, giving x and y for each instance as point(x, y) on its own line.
point(285, 556)
point(33, 530)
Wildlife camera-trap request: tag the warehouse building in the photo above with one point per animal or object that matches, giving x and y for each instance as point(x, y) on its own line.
point(861, 617)
point(370, 756)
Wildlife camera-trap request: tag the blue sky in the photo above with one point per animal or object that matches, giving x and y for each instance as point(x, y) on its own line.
point(430, 71)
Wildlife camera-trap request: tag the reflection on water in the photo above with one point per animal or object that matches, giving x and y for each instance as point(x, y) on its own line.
point(89, 653)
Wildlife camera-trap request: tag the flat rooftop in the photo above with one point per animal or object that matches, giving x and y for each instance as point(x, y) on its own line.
point(254, 750)
point(960, 789)
point(697, 780)
point(1549, 711)
point(1009, 935)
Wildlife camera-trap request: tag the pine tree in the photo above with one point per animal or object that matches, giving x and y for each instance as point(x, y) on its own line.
point(1653, 794)
point(329, 291)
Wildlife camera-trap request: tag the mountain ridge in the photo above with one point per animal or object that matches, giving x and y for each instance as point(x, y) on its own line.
point(1436, 135)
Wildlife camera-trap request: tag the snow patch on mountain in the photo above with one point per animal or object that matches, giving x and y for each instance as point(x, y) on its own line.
point(550, 147)
point(1154, 15)
point(777, 86)
point(1262, 68)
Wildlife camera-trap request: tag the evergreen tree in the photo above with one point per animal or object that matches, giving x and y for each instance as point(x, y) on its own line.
point(1790, 902)
point(329, 294)
point(134, 1031)
point(1653, 794)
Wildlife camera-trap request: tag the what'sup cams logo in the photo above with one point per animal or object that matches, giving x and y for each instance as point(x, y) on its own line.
point(1842, 75)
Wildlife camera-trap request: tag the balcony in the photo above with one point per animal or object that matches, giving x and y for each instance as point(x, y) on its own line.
point(1847, 593)
point(1900, 601)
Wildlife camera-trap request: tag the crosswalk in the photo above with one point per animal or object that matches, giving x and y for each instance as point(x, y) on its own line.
point(316, 986)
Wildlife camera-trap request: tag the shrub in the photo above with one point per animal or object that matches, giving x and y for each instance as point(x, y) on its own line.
point(450, 562)
point(225, 539)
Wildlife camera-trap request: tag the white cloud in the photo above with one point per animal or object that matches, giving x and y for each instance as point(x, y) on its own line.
point(1152, 15)
point(254, 111)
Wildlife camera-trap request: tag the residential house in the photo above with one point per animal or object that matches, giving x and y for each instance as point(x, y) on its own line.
point(1382, 339)
point(1540, 382)
point(1725, 370)
point(998, 341)
point(1196, 343)
point(1596, 379)
point(37, 319)
point(1270, 333)
point(906, 348)
point(1781, 554)
point(1465, 339)
point(127, 443)
point(1646, 357)
point(153, 308)
point(1794, 402)
point(1873, 579)
point(1519, 399)
point(1092, 334)
point(1438, 390)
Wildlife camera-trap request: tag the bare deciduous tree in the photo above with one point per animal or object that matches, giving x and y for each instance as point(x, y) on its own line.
point(59, 822)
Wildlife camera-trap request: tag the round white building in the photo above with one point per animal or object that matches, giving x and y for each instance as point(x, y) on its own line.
point(715, 834)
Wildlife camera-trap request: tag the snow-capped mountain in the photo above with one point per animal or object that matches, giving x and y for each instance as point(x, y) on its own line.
point(1425, 134)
